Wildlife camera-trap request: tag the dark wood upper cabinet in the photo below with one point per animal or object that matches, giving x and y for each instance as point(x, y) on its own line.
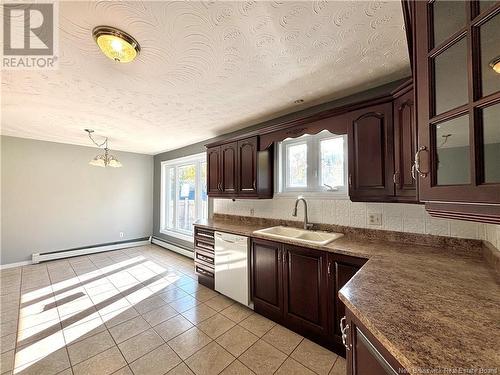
point(382, 146)
point(458, 101)
point(305, 290)
point(229, 168)
point(266, 278)
point(405, 146)
point(222, 170)
point(239, 169)
point(213, 171)
point(371, 155)
point(247, 164)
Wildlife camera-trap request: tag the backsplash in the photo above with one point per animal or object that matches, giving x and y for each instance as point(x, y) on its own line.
point(398, 217)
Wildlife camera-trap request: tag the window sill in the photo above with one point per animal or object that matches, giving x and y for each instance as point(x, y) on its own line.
point(180, 236)
point(312, 195)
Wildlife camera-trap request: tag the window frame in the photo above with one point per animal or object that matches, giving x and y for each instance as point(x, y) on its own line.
point(284, 172)
point(165, 212)
point(314, 176)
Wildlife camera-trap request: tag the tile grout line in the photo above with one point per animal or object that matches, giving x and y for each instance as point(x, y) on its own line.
point(288, 355)
point(216, 343)
point(258, 338)
point(19, 304)
point(18, 319)
point(59, 315)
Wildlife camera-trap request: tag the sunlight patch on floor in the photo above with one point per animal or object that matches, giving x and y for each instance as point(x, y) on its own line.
point(49, 307)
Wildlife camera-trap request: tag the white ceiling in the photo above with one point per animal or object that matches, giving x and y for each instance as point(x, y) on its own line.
point(205, 68)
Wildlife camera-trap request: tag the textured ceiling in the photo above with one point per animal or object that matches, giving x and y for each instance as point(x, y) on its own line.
point(205, 68)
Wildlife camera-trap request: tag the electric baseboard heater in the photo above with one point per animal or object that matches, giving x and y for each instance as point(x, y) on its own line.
point(42, 257)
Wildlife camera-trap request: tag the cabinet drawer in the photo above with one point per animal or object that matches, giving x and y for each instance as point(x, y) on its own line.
point(205, 274)
point(203, 270)
point(204, 234)
point(204, 245)
point(204, 258)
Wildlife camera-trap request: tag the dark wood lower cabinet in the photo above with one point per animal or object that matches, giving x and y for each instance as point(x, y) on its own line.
point(305, 290)
point(298, 288)
point(266, 278)
point(366, 355)
point(341, 269)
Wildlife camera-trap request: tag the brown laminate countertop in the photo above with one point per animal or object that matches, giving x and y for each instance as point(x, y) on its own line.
point(435, 308)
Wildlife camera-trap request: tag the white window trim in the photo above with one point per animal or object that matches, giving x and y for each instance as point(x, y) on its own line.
point(165, 182)
point(284, 165)
point(313, 191)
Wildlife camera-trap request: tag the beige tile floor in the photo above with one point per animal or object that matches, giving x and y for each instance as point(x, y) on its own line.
point(139, 311)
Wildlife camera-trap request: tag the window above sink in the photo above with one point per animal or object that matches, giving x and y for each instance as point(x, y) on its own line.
point(312, 164)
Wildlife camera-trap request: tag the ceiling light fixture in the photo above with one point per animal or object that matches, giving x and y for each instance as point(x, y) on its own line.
point(106, 159)
point(116, 44)
point(495, 64)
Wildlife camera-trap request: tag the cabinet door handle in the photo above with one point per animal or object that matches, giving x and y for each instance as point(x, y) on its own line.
point(350, 180)
point(329, 268)
point(395, 178)
point(417, 162)
point(343, 329)
point(279, 255)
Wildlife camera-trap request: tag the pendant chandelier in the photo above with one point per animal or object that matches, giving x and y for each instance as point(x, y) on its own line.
point(106, 159)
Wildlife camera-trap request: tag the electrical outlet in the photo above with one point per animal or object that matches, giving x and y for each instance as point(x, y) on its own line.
point(374, 219)
point(121, 234)
point(252, 212)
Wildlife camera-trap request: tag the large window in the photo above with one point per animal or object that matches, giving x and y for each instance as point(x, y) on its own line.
point(313, 163)
point(183, 195)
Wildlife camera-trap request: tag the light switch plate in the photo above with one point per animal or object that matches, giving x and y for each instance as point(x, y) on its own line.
point(374, 219)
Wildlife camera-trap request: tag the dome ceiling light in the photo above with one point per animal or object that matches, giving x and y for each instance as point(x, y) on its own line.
point(116, 44)
point(495, 64)
point(106, 159)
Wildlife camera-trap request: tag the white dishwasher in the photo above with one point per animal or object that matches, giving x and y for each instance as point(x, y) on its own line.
point(231, 267)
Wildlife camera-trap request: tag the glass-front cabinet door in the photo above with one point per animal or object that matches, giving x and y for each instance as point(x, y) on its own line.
point(457, 70)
